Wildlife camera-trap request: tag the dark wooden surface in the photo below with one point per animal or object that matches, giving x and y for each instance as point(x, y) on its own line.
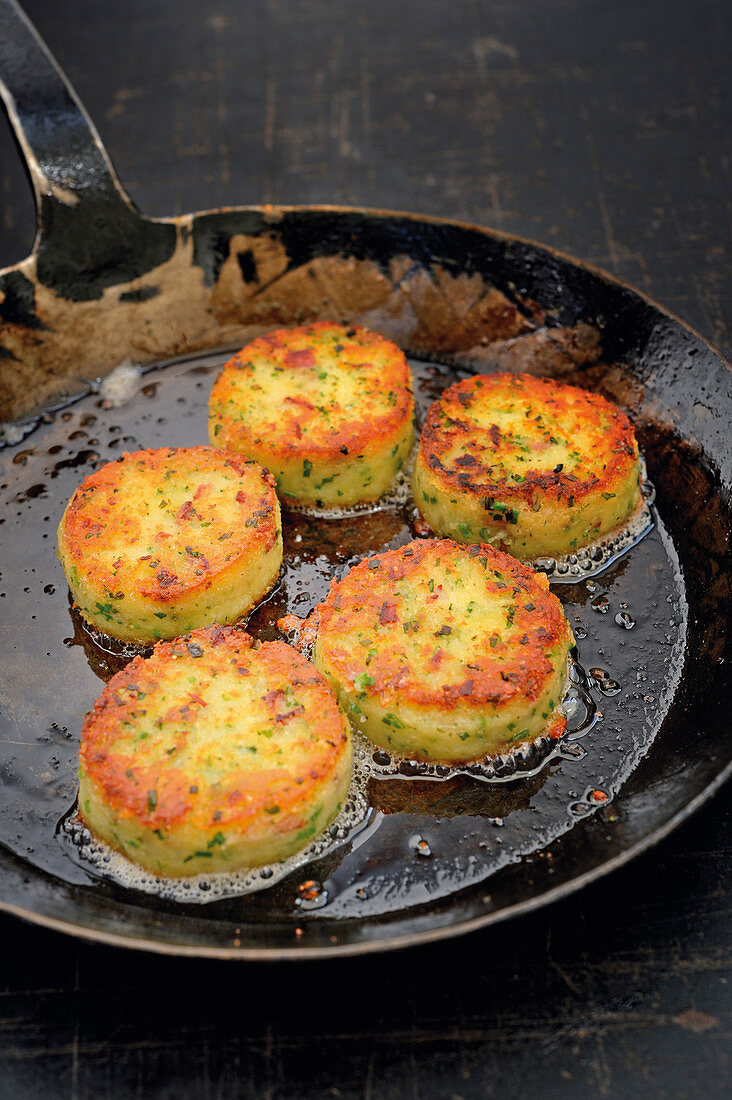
point(600, 128)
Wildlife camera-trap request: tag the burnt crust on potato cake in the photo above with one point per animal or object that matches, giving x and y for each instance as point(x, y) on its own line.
point(537, 467)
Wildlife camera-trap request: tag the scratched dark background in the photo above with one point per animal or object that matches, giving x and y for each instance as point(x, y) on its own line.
point(601, 128)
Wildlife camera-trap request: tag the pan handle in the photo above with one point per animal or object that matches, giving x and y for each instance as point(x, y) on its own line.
point(90, 233)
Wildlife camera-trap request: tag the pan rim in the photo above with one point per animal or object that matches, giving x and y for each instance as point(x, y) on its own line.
point(371, 211)
point(434, 219)
point(389, 943)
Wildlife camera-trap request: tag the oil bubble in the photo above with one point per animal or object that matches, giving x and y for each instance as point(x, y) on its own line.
point(545, 565)
point(420, 846)
point(311, 894)
point(604, 681)
point(572, 750)
point(625, 620)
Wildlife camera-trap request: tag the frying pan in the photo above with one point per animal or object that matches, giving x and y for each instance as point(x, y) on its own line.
point(103, 285)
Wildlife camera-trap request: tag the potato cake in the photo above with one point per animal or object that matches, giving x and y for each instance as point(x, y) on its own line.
point(535, 466)
point(216, 753)
point(163, 541)
point(444, 652)
point(327, 408)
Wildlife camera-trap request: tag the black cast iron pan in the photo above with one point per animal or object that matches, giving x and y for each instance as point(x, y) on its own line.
point(103, 285)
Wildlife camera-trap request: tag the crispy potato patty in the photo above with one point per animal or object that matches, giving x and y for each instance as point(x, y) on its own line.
point(214, 754)
point(163, 541)
point(445, 652)
point(327, 408)
point(534, 466)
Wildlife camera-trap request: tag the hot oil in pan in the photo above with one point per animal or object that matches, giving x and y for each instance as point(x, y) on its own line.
point(423, 839)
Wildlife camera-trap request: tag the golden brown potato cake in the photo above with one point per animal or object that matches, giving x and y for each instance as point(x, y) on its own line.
point(327, 408)
point(163, 541)
point(535, 466)
point(216, 753)
point(444, 652)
